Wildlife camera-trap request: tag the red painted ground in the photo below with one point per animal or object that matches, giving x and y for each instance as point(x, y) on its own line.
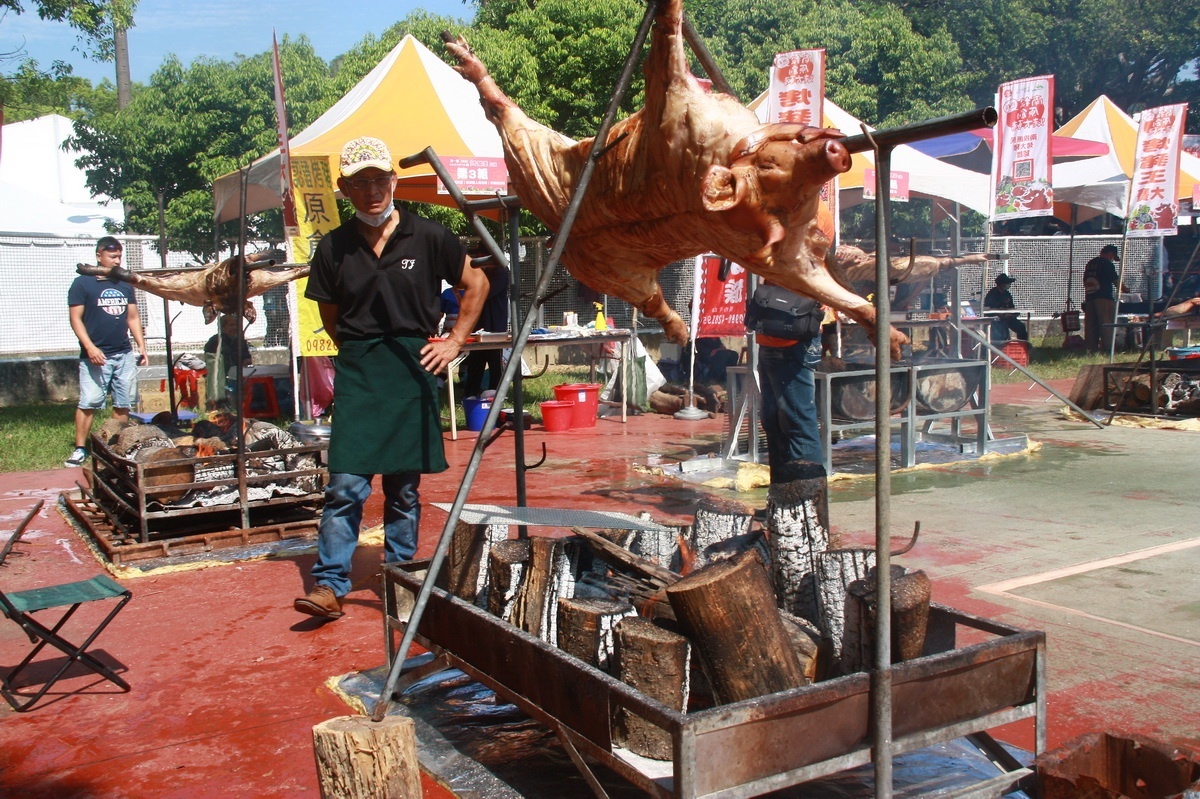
point(228, 680)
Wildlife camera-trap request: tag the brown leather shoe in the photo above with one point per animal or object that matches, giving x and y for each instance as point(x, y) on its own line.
point(321, 601)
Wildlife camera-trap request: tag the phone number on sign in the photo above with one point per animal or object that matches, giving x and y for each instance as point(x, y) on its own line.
point(319, 346)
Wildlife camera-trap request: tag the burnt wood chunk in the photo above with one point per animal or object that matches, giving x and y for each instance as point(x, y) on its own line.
point(718, 521)
point(358, 758)
point(655, 662)
point(728, 612)
point(585, 628)
point(535, 611)
point(798, 529)
point(836, 570)
point(174, 473)
point(910, 618)
point(506, 565)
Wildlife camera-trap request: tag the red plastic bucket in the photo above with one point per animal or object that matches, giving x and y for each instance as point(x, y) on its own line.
point(586, 397)
point(557, 415)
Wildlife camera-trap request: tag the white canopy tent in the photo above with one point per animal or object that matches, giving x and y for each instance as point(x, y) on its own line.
point(42, 192)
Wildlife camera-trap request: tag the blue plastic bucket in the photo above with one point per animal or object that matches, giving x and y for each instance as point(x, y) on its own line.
point(476, 411)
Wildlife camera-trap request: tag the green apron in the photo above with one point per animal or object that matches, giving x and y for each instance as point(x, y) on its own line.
point(386, 415)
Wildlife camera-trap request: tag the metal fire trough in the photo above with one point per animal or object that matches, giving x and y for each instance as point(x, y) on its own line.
point(752, 747)
point(132, 512)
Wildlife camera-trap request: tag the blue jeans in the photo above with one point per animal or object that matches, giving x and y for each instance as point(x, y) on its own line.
point(789, 403)
point(337, 537)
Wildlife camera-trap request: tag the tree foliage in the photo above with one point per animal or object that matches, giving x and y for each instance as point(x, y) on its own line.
point(888, 62)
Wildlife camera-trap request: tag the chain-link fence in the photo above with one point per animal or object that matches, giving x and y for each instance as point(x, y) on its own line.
point(37, 272)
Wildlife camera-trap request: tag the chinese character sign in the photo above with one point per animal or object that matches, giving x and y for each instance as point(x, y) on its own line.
point(476, 175)
point(1021, 159)
point(1153, 206)
point(797, 90)
point(316, 215)
point(722, 302)
point(897, 186)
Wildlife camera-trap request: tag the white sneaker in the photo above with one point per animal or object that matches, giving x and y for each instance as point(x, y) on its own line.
point(77, 457)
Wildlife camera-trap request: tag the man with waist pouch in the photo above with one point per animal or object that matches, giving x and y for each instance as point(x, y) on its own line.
point(377, 283)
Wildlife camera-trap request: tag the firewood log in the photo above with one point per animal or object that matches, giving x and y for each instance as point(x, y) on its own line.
point(506, 565)
point(727, 611)
point(358, 758)
point(656, 662)
point(585, 628)
point(798, 529)
point(910, 618)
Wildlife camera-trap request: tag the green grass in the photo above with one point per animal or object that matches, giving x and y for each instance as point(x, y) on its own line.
point(1049, 361)
point(39, 436)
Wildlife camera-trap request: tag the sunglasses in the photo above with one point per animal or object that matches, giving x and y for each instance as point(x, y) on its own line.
point(362, 184)
point(111, 248)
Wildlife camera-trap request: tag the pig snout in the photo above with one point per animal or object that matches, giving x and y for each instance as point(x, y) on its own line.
point(837, 155)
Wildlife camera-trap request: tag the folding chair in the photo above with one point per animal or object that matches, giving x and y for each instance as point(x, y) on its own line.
point(19, 605)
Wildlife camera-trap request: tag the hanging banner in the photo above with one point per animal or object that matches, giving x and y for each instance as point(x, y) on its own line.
point(1153, 206)
point(316, 215)
point(797, 94)
point(797, 90)
point(722, 302)
point(1021, 177)
point(476, 175)
point(897, 187)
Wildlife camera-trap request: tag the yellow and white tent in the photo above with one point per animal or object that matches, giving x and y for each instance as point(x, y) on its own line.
point(1102, 182)
point(411, 100)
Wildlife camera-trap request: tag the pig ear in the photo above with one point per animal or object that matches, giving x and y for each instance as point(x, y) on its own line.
point(722, 189)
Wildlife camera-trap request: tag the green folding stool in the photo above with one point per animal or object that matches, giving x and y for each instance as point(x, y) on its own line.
point(20, 605)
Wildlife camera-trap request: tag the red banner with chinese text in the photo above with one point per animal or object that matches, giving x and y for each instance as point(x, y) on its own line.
point(1021, 176)
point(722, 302)
point(1153, 206)
point(897, 186)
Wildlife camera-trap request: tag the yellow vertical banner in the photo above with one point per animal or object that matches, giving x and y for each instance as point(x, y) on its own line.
point(316, 215)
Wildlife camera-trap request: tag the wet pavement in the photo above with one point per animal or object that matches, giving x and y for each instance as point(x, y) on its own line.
point(1090, 535)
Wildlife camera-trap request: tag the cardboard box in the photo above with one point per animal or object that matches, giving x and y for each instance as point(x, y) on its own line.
point(153, 401)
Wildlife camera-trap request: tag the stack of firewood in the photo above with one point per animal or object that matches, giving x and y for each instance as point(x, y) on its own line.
point(760, 603)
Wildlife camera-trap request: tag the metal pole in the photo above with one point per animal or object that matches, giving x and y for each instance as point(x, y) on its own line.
point(162, 256)
point(238, 344)
point(410, 630)
point(881, 677)
point(514, 311)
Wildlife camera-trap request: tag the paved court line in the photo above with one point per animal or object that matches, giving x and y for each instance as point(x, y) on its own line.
point(1004, 587)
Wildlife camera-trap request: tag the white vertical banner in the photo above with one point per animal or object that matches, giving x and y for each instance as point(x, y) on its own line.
point(1021, 167)
point(1153, 204)
point(797, 90)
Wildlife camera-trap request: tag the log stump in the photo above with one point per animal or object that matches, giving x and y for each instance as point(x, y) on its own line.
point(506, 565)
point(718, 521)
point(910, 618)
point(836, 570)
point(361, 759)
point(585, 628)
point(655, 662)
point(727, 610)
point(798, 529)
point(464, 574)
point(546, 578)
point(174, 474)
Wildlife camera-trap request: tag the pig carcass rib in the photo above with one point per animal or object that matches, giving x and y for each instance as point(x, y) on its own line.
point(691, 172)
point(214, 288)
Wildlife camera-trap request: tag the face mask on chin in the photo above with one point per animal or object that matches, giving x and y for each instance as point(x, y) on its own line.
point(375, 220)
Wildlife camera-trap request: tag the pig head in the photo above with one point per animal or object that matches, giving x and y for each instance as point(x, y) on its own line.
point(691, 172)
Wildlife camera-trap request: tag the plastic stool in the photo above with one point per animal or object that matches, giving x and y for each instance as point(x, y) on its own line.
point(261, 389)
point(1017, 350)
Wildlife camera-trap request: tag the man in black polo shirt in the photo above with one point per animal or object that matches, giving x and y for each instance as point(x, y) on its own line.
point(377, 283)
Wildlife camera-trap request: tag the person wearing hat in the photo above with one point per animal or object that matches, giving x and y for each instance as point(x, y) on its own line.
point(104, 315)
point(1099, 302)
point(377, 283)
point(1000, 298)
